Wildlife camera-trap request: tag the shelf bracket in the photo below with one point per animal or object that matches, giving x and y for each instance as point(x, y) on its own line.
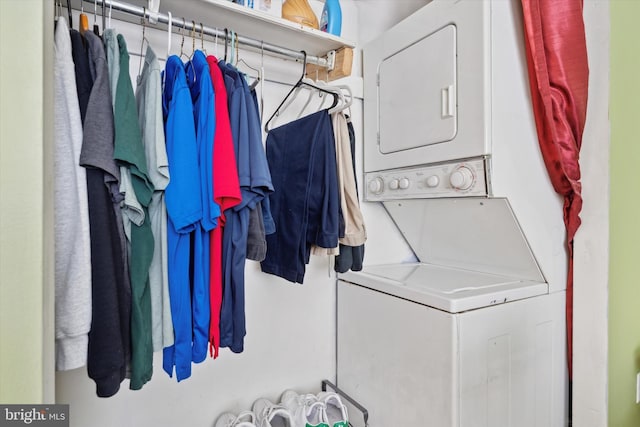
point(331, 60)
point(339, 64)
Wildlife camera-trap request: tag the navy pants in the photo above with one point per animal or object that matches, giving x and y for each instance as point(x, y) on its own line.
point(305, 201)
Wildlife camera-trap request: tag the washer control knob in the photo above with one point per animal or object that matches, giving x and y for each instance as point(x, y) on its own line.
point(433, 181)
point(376, 185)
point(404, 183)
point(394, 184)
point(461, 178)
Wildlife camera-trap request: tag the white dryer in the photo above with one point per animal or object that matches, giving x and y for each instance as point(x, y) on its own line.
point(473, 333)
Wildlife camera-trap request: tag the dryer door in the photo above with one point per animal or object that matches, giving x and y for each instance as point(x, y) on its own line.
point(417, 111)
point(427, 86)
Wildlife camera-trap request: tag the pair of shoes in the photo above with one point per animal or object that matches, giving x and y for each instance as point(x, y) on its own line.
point(269, 414)
point(335, 411)
point(306, 409)
point(324, 410)
point(243, 419)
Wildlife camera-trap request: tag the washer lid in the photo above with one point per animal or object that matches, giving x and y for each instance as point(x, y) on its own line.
point(445, 288)
point(468, 233)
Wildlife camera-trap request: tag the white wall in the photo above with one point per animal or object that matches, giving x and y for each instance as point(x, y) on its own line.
point(591, 244)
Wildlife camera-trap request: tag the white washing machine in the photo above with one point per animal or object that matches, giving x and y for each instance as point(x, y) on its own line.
point(472, 334)
point(423, 344)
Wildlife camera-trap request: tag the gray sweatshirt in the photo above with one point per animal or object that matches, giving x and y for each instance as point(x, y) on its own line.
point(71, 213)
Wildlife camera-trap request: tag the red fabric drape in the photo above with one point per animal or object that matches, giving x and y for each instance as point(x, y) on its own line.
point(558, 78)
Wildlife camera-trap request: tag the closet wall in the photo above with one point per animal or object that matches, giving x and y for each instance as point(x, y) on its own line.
point(290, 340)
point(26, 203)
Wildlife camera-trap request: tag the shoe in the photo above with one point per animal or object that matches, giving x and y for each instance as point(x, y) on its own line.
point(306, 409)
point(269, 414)
point(244, 419)
point(335, 410)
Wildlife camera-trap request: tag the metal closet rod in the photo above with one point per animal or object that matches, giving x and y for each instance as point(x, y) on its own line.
point(188, 25)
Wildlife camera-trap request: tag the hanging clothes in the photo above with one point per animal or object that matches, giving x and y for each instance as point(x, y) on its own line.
point(129, 153)
point(128, 209)
point(226, 191)
point(260, 219)
point(149, 103)
point(355, 233)
point(305, 203)
point(110, 38)
point(84, 78)
point(71, 214)
point(184, 211)
point(199, 81)
point(350, 257)
point(255, 183)
point(109, 338)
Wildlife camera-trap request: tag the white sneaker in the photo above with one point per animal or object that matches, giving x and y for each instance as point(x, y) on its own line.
point(243, 419)
point(335, 410)
point(306, 409)
point(269, 414)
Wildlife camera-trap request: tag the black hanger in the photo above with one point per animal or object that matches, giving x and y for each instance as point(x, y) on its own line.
point(96, 28)
point(299, 83)
point(226, 38)
point(70, 16)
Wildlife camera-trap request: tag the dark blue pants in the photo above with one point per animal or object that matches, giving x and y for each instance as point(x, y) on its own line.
point(305, 201)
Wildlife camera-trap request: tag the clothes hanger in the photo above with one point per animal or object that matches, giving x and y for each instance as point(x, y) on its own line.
point(226, 39)
point(84, 20)
point(261, 64)
point(262, 77)
point(193, 39)
point(169, 32)
point(301, 81)
point(242, 61)
point(312, 94)
point(69, 12)
point(184, 25)
point(110, 8)
point(259, 71)
point(202, 40)
point(232, 55)
point(96, 28)
point(215, 44)
point(144, 38)
point(188, 63)
point(344, 92)
point(57, 11)
point(348, 100)
point(104, 18)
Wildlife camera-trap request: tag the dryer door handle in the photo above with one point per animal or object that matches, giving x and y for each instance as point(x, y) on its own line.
point(447, 101)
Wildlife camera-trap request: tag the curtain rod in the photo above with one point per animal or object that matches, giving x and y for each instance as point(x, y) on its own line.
point(214, 32)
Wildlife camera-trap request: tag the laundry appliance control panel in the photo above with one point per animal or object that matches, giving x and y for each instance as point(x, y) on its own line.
point(456, 179)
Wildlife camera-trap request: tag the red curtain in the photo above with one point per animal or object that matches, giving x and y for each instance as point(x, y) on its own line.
point(558, 78)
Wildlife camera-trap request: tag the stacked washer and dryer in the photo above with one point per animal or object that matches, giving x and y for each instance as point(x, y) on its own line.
point(472, 334)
